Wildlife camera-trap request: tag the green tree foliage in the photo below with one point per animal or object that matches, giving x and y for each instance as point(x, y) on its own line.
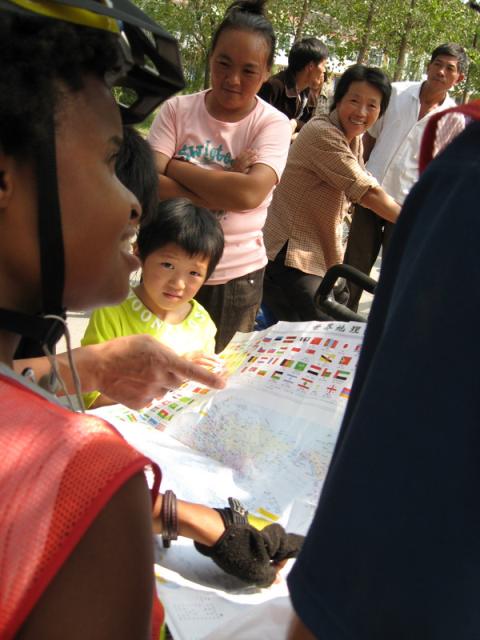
point(193, 23)
point(397, 34)
point(403, 31)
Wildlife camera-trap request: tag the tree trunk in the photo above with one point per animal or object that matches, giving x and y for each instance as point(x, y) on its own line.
point(206, 74)
point(365, 42)
point(302, 20)
point(402, 50)
point(206, 46)
point(466, 89)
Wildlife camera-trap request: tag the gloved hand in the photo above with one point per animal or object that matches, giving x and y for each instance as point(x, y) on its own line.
point(250, 554)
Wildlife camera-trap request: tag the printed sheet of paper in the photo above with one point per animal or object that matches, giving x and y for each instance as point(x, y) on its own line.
point(266, 439)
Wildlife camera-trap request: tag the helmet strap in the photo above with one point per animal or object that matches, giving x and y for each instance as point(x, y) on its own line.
point(45, 331)
point(52, 257)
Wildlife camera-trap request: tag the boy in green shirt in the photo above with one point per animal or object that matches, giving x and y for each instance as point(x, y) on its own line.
point(179, 246)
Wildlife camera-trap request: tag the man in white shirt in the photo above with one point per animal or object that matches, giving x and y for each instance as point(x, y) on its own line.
point(392, 147)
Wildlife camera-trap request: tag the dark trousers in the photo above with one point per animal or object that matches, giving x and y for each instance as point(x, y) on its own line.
point(232, 306)
point(368, 233)
point(289, 293)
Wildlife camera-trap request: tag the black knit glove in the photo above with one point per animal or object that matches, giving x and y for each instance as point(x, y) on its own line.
point(250, 554)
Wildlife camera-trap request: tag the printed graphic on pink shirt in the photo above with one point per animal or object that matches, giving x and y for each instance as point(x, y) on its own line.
point(207, 153)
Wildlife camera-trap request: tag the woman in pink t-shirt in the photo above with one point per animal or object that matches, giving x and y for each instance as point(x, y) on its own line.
point(208, 130)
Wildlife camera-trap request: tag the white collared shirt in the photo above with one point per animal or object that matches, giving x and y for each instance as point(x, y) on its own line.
point(398, 133)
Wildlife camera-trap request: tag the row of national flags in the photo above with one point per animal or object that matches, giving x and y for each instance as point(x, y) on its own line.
point(298, 364)
point(331, 343)
point(315, 370)
point(304, 381)
point(279, 358)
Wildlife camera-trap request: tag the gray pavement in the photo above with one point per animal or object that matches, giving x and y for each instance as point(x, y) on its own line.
point(366, 299)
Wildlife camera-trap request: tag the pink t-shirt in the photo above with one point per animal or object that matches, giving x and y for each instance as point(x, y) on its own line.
point(183, 127)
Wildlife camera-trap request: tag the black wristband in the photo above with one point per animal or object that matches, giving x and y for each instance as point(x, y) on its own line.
point(234, 514)
point(169, 518)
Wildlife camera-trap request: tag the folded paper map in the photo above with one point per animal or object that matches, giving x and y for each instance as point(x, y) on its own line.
point(266, 439)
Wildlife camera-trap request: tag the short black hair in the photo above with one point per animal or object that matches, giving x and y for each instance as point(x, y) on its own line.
point(38, 55)
point(195, 229)
point(360, 73)
point(454, 50)
point(304, 51)
point(135, 167)
point(248, 15)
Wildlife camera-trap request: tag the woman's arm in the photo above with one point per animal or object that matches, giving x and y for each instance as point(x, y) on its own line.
point(195, 521)
point(219, 189)
point(105, 588)
point(169, 188)
point(132, 370)
point(326, 152)
point(225, 189)
point(229, 539)
point(384, 205)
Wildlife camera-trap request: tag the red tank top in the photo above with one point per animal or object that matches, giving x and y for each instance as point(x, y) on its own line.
point(58, 469)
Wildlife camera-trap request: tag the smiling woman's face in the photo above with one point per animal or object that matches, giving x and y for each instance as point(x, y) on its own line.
point(359, 108)
point(96, 210)
point(97, 216)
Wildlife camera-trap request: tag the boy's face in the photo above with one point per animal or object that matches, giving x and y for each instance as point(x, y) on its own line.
point(316, 73)
point(171, 278)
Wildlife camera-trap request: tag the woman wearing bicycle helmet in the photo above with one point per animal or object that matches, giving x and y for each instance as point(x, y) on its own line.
point(74, 498)
point(75, 530)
